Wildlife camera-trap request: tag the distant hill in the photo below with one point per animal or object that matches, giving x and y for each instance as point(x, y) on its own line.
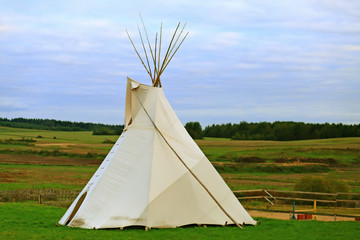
point(57, 125)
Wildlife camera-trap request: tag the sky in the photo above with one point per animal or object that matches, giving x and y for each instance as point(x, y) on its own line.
point(243, 60)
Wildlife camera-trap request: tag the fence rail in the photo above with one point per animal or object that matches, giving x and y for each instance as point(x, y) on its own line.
point(65, 197)
point(43, 196)
point(351, 200)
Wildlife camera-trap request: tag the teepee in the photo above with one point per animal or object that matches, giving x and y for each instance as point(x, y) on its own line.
point(155, 175)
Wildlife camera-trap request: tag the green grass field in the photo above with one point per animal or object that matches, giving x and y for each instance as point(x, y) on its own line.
point(40, 159)
point(30, 221)
point(56, 157)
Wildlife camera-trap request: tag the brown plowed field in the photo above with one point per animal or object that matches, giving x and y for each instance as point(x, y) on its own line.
point(47, 160)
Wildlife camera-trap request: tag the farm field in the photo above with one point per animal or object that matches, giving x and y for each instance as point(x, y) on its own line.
point(43, 226)
point(37, 159)
point(56, 160)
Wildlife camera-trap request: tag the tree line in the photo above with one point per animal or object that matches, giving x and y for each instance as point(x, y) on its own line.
point(278, 131)
point(57, 125)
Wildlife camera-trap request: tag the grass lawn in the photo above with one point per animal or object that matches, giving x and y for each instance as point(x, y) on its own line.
point(33, 221)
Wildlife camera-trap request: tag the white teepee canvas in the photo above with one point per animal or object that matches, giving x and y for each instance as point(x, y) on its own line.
point(155, 175)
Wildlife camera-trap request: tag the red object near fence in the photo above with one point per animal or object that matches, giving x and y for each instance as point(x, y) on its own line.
point(300, 217)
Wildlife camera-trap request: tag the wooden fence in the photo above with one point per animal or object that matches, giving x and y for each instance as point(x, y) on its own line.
point(350, 200)
point(65, 197)
point(43, 196)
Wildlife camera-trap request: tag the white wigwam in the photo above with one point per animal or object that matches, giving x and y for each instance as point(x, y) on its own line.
point(155, 175)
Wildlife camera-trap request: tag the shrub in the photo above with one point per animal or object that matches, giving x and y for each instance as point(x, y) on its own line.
point(321, 184)
point(23, 141)
point(250, 160)
point(108, 141)
point(107, 131)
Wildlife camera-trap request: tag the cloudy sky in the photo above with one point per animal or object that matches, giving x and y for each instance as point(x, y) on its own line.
point(252, 60)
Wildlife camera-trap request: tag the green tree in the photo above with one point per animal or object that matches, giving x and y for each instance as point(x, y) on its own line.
point(194, 129)
point(321, 184)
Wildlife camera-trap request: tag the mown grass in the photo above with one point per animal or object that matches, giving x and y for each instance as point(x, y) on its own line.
point(61, 136)
point(66, 143)
point(271, 169)
point(30, 221)
point(345, 150)
point(271, 154)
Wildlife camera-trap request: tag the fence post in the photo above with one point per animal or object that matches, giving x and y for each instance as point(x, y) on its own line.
point(39, 198)
point(293, 216)
point(315, 216)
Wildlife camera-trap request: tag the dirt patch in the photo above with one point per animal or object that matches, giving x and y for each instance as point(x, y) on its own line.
point(249, 160)
point(45, 177)
point(7, 177)
point(77, 148)
point(56, 144)
point(286, 216)
point(298, 164)
point(288, 164)
point(255, 182)
point(47, 160)
point(298, 160)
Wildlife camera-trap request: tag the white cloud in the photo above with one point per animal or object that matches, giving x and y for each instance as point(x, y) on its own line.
point(218, 41)
point(253, 56)
point(351, 48)
point(10, 104)
point(247, 66)
point(4, 29)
